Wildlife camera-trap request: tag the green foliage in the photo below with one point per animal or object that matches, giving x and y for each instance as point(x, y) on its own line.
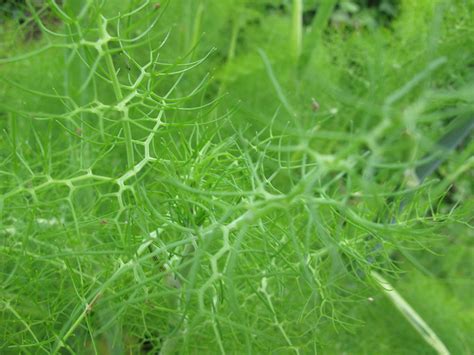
point(222, 176)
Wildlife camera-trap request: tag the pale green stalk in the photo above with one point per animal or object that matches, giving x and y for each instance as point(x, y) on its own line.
point(411, 315)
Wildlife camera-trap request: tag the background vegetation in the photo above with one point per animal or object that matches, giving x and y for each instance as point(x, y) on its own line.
point(231, 176)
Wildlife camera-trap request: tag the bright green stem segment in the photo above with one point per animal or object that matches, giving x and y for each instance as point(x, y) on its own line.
point(297, 29)
point(113, 74)
point(233, 39)
point(119, 96)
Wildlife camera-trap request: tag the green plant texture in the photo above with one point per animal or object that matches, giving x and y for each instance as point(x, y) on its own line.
point(197, 176)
